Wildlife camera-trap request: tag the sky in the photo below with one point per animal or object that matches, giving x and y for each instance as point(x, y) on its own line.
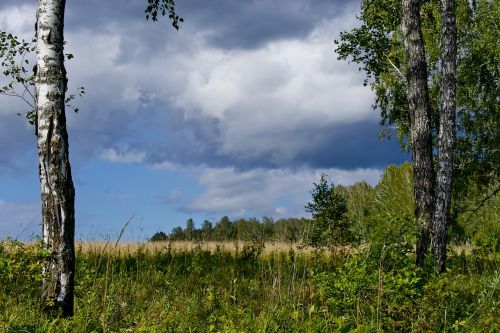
point(238, 113)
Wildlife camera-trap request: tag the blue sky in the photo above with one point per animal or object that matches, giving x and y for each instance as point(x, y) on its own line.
point(236, 114)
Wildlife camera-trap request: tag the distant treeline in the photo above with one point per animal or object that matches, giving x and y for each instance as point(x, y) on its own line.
point(282, 230)
point(359, 213)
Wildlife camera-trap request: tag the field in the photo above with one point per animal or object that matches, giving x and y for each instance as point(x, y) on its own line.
point(254, 287)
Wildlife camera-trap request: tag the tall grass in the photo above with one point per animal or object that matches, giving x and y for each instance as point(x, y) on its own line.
point(249, 287)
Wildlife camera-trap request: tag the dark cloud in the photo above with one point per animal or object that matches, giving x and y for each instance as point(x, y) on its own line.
point(249, 24)
point(152, 91)
point(338, 146)
point(200, 141)
point(226, 23)
point(351, 146)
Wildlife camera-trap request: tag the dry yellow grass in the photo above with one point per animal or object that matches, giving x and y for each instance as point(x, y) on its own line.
point(182, 246)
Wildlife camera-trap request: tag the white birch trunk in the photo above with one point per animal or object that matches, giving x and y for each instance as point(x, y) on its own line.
point(57, 191)
point(446, 132)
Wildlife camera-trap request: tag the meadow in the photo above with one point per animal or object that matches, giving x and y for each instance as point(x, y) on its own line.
point(254, 287)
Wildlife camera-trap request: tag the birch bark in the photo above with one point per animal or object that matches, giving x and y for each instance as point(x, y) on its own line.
point(421, 135)
point(446, 132)
point(57, 191)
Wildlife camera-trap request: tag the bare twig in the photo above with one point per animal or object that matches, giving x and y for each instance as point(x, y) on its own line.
point(482, 203)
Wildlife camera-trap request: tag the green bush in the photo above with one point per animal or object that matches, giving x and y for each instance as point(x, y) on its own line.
point(330, 225)
point(20, 268)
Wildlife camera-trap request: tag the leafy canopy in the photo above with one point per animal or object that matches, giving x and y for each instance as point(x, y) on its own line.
point(377, 47)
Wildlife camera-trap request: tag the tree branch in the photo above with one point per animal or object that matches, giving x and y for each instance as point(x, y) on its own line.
point(395, 67)
point(482, 203)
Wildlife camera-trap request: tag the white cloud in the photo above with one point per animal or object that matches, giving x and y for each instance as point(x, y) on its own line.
point(19, 20)
point(274, 102)
point(261, 192)
point(290, 80)
point(124, 156)
point(165, 166)
point(264, 97)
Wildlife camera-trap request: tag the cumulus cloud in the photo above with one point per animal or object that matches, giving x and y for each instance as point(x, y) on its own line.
point(268, 107)
point(264, 192)
point(270, 101)
point(181, 97)
point(248, 93)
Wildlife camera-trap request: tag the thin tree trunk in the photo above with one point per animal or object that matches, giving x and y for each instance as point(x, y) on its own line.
point(57, 191)
point(446, 132)
point(421, 135)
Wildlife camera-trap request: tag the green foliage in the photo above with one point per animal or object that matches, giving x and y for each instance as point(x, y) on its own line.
point(380, 289)
point(359, 198)
point(328, 208)
point(478, 115)
point(383, 213)
point(478, 223)
point(20, 268)
point(163, 7)
point(224, 230)
point(377, 47)
point(374, 288)
point(189, 231)
point(15, 63)
point(16, 58)
point(373, 215)
point(391, 212)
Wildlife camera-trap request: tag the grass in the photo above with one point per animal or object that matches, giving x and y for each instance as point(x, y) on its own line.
point(183, 246)
point(248, 287)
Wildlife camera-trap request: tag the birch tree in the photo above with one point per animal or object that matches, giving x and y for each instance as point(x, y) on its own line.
point(462, 90)
point(446, 132)
point(57, 190)
point(420, 116)
point(47, 113)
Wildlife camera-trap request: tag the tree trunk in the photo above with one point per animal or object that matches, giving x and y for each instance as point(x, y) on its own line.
point(421, 136)
point(57, 191)
point(446, 132)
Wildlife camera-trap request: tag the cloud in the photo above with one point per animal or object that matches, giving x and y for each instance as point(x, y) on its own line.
point(248, 93)
point(264, 192)
point(229, 24)
point(247, 99)
point(271, 107)
point(298, 80)
point(165, 166)
point(124, 156)
point(19, 18)
point(182, 98)
point(174, 197)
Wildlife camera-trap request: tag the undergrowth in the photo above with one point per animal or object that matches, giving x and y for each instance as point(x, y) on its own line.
point(377, 288)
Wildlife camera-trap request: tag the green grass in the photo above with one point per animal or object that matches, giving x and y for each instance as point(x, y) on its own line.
point(245, 290)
